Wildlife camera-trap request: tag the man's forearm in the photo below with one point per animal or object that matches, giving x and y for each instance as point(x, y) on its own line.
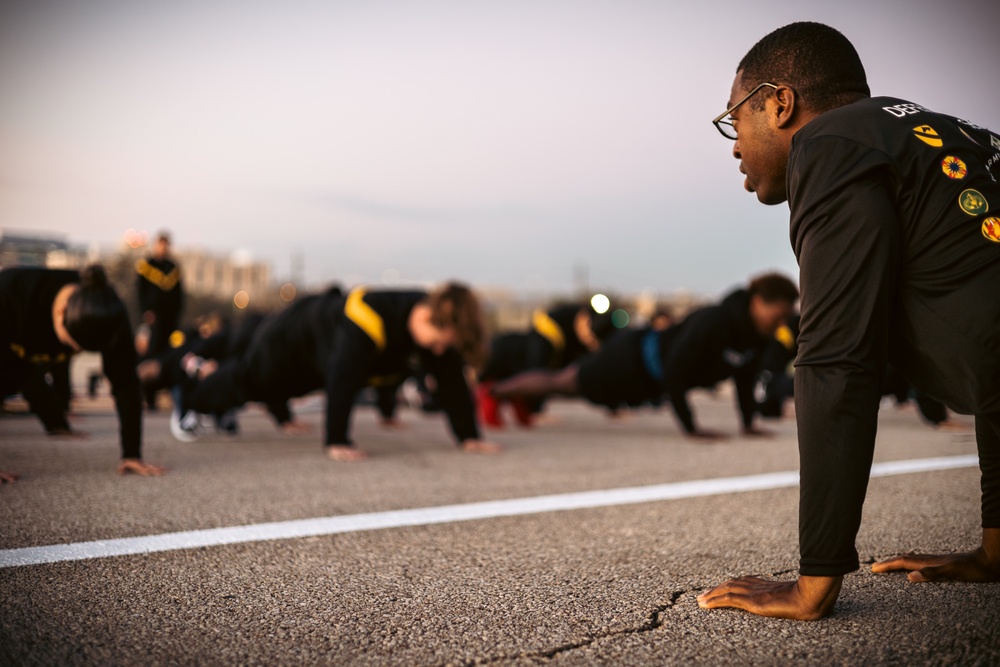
point(837, 413)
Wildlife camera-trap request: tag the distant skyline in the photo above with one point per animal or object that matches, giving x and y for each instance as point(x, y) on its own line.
point(504, 144)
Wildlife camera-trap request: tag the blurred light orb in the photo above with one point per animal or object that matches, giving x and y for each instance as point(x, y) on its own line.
point(619, 318)
point(135, 239)
point(287, 292)
point(241, 300)
point(600, 304)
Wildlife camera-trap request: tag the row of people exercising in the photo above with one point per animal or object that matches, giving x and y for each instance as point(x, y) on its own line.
point(342, 343)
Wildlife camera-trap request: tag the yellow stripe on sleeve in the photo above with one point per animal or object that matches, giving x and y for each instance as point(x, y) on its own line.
point(547, 327)
point(365, 317)
point(165, 281)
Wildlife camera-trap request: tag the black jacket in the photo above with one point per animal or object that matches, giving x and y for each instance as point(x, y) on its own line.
point(710, 345)
point(158, 282)
point(317, 343)
point(552, 341)
point(361, 355)
point(27, 334)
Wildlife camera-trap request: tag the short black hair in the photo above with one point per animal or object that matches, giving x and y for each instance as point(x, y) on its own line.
point(95, 317)
point(815, 60)
point(774, 287)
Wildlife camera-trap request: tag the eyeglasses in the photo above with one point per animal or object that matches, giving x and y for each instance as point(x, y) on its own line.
point(724, 123)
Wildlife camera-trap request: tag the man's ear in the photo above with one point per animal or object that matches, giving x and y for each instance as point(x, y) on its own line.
point(785, 109)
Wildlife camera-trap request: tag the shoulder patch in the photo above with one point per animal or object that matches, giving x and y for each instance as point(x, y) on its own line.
point(991, 229)
point(954, 168)
point(973, 202)
point(928, 135)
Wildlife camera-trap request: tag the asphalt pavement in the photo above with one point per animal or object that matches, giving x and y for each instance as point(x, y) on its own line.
point(611, 584)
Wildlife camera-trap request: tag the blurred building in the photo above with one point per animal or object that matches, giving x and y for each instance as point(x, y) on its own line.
point(211, 280)
point(223, 276)
point(206, 276)
point(20, 248)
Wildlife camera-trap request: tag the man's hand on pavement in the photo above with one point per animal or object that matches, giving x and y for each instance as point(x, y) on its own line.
point(805, 599)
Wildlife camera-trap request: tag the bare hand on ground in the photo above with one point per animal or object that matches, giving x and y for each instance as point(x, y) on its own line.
point(68, 434)
point(707, 435)
point(480, 447)
point(345, 453)
point(805, 599)
point(544, 419)
point(953, 426)
point(140, 468)
point(8, 477)
point(981, 565)
point(393, 424)
point(296, 428)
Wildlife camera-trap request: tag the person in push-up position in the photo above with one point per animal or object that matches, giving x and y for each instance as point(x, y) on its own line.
point(343, 344)
point(641, 365)
point(899, 257)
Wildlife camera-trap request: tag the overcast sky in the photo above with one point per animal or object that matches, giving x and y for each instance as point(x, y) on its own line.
point(502, 143)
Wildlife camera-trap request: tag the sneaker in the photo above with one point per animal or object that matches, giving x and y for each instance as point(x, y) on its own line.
point(184, 428)
point(227, 424)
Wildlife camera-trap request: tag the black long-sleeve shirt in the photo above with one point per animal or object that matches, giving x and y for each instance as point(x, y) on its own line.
point(386, 349)
point(508, 356)
point(552, 341)
point(158, 283)
point(893, 225)
point(26, 330)
point(710, 345)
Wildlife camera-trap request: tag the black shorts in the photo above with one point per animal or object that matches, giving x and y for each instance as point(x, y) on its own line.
point(615, 375)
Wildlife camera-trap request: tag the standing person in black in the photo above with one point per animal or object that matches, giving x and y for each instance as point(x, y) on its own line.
point(894, 225)
point(345, 344)
point(46, 316)
point(161, 299)
point(710, 345)
point(557, 338)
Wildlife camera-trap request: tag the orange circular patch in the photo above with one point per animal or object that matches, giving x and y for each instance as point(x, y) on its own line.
point(991, 229)
point(953, 167)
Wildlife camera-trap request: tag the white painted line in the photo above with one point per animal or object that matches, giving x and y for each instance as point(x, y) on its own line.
point(426, 516)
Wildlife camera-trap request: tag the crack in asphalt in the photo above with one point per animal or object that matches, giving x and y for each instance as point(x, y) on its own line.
point(653, 621)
